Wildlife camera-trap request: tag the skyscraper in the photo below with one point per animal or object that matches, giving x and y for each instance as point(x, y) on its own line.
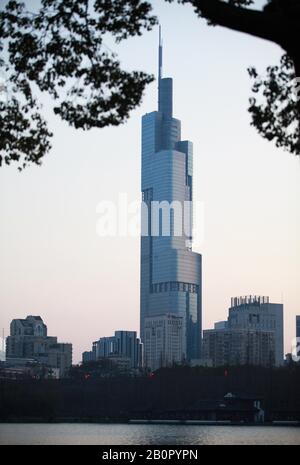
point(298, 326)
point(170, 270)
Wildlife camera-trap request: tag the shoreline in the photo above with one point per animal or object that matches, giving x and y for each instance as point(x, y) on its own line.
point(115, 421)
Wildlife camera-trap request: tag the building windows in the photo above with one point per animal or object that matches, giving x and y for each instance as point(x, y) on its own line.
point(147, 195)
point(174, 286)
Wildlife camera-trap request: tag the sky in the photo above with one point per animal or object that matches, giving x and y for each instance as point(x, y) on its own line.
point(53, 263)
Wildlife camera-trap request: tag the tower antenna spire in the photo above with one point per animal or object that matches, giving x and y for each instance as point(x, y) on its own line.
point(160, 58)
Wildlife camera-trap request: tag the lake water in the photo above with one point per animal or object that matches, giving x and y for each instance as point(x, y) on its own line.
point(117, 434)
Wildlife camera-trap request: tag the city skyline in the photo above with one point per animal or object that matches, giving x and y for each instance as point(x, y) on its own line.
point(53, 263)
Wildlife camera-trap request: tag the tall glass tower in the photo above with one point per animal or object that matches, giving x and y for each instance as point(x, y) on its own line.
point(170, 270)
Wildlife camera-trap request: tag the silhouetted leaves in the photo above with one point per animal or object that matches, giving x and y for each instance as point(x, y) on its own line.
point(275, 111)
point(275, 114)
point(60, 49)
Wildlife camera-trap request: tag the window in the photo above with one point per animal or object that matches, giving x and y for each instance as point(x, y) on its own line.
point(147, 195)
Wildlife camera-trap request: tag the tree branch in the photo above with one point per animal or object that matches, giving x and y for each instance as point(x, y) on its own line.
point(257, 23)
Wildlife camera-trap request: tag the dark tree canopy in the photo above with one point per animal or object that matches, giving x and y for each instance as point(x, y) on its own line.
point(275, 106)
point(60, 49)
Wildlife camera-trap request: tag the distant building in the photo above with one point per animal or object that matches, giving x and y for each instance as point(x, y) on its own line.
point(124, 344)
point(201, 362)
point(88, 356)
point(30, 326)
point(128, 345)
point(29, 340)
point(121, 363)
point(59, 356)
point(257, 313)
point(221, 325)
point(104, 347)
point(27, 337)
point(252, 334)
point(163, 345)
point(2, 349)
point(239, 347)
point(25, 368)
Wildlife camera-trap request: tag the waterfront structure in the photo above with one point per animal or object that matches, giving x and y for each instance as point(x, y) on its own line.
point(258, 313)
point(170, 279)
point(225, 347)
point(124, 344)
point(28, 339)
point(231, 408)
point(163, 346)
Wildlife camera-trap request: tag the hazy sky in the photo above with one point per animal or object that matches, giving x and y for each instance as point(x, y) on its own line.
point(53, 264)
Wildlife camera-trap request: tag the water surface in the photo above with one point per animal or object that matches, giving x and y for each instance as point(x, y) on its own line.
point(107, 434)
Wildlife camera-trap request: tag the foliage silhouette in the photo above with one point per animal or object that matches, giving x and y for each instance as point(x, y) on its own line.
point(276, 114)
point(60, 49)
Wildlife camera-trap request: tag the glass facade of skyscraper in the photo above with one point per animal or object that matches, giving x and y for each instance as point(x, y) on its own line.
point(170, 270)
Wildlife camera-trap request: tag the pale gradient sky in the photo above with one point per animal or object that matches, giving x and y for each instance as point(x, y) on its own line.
point(53, 264)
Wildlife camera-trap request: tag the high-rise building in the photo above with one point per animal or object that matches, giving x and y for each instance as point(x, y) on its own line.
point(58, 356)
point(28, 339)
point(298, 326)
point(220, 325)
point(104, 347)
point(170, 270)
point(163, 345)
point(252, 334)
point(30, 326)
point(123, 344)
point(239, 347)
point(128, 345)
point(2, 349)
point(258, 313)
point(88, 356)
